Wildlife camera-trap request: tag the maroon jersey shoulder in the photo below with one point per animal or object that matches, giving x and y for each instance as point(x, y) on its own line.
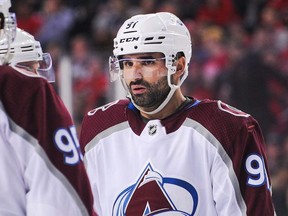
point(230, 126)
point(101, 118)
point(26, 100)
point(221, 119)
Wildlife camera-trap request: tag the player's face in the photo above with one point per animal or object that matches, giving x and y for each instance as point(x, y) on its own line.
point(146, 78)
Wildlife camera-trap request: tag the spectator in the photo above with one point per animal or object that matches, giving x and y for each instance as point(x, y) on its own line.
point(57, 21)
point(220, 12)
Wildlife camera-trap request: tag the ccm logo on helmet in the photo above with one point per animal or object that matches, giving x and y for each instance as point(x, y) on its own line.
point(131, 39)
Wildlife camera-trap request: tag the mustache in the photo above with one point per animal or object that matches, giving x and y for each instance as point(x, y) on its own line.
point(139, 82)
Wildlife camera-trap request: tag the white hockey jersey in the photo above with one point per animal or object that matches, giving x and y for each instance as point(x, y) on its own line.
point(206, 159)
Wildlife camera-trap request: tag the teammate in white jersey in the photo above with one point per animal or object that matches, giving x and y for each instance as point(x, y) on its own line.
point(162, 153)
point(41, 167)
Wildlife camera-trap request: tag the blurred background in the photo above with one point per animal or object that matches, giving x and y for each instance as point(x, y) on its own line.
point(240, 56)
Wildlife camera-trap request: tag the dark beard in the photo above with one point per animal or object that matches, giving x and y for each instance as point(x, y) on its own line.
point(155, 94)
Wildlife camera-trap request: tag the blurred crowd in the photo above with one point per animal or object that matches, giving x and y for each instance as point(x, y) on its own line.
point(240, 56)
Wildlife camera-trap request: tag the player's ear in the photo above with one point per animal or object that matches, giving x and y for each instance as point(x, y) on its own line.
point(180, 65)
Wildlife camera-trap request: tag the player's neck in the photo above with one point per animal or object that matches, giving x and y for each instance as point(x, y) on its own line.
point(172, 106)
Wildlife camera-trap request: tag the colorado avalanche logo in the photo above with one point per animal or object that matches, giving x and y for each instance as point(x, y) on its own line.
point(155, 195)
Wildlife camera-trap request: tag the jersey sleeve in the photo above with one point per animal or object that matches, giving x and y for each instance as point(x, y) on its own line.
point(58, 138)
point(44, 146)
point(250, 165)
point(242, 144)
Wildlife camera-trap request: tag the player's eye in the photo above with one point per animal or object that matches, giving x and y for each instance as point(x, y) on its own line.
point(127, 63)
point(148, 61)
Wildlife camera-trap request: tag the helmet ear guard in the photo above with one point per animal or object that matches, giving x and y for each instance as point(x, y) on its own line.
point(8, 26)
point(114, 68)
point(8, 22)
point(2, 20)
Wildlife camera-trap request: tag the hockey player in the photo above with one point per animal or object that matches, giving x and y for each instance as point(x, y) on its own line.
point(41, 167)
point(162, 153)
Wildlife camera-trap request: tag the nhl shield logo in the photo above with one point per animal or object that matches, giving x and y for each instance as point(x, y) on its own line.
point(152, 129)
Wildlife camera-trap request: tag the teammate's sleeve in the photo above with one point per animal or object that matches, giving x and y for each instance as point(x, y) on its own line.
point(40, 153)
point(63, 149)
